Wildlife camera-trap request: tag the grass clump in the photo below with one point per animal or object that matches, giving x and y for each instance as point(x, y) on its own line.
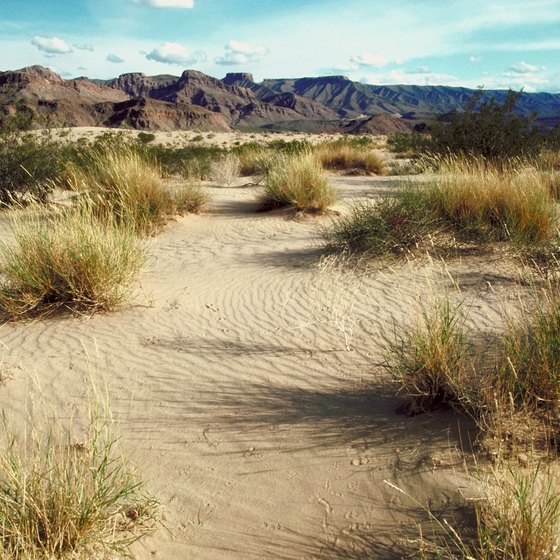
point(297, 181)
point(433, 360)
point(351, 157)
point(225, 170)
point(65, 499)
point(71, 261)
point(122, 185)
point(391, 225)
point(486, 203)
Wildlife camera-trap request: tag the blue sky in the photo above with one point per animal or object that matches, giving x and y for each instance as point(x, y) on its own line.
point(490, 43)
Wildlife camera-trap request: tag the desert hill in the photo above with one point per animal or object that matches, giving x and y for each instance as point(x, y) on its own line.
point(195, 100)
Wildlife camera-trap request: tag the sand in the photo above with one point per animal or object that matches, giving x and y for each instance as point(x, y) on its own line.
point(245, 385)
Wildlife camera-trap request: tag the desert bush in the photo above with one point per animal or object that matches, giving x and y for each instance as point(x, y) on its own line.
point(433, 361)
point(189, 199)
point(392, 224)
point(29, 163)
point(252, 158)
point(146, 137)
point(408, 144)
point(225, 170)
point(61, 498)
point(297, 181)
point(71, 261)
point(345, 155)
point(486, 129)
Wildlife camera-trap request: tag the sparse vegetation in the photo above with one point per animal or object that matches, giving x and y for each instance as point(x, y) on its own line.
point(225, 170)
point(61, 498)
point(297, 181)
point(71, 261)
point(350, 156)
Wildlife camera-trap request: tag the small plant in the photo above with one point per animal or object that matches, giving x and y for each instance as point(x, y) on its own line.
point(189, 199)
point(146, 137)
point(225, 170)
point(433, 361)
point(65, 498)
point(391, 225)
point(71, 261)
point(351, 157)
point(297, 181)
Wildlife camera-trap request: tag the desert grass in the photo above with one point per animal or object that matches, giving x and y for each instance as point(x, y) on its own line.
point(225, 170)
point(393, 224)
point(344, 155)
point(471, 202)
point(297, 181)
point(433, 360)
point(123, 185)
point(69, 260)
point(62, 498)
point(517, 517)
point(488, 203)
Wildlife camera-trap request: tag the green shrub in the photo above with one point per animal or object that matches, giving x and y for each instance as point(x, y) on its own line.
point(146, 137)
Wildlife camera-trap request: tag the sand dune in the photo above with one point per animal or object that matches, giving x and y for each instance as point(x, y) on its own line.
point(244, 384)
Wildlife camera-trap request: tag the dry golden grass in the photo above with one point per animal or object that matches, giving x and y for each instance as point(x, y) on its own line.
point(297, 181)
point(70, 260)
point(340, 155)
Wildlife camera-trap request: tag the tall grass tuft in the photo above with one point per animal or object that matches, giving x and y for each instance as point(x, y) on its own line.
point(71, 261)
point(225, 170)
point(484, 202)
point(390, 225)
point(433, 360)
point(123, 185)
point(297, 181)
point(62, 498)
point(348, 156)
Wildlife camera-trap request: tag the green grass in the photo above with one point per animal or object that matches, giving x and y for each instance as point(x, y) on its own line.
point(71, 261)
point(62, 498)
point(432, 360)
point(297, 181)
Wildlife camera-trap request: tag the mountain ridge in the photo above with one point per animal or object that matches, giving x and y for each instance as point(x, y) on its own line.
point(195, 100)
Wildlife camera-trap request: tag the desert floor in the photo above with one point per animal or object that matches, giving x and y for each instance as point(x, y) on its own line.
point(245, 384)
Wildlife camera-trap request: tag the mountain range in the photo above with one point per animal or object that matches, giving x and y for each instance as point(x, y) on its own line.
point(197, 101)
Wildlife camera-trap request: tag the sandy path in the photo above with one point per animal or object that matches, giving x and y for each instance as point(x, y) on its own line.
point(235, 393)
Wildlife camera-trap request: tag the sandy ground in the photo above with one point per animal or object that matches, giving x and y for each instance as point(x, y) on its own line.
point(244, 384)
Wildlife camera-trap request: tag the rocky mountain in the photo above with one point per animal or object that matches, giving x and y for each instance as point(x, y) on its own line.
point(197, 101)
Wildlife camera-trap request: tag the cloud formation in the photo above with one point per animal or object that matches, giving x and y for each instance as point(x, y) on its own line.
point(369, 59)
point(523, 68)
point(83, 46)
point(53, 45)
point(166, 3)
point(240, 53)
point(174, 53)
point(114, 58)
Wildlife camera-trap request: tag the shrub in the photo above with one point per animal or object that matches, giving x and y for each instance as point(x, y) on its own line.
point(146, 137)
point(486, 128)
point(408, 144)
point(29, 163)
point(70, 261)
point(63, 498)
point(251, 157)
point(189, 199)
point(297, 181)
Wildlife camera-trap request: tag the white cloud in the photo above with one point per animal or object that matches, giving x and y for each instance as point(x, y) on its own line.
point(523, 68)
point(166, 3)
point(174, 53)
point(369, 59)
point(83, 47)
point(419, 70)
point(475, 59)
point(240, 53)
point(114, 58)
point(54, 45)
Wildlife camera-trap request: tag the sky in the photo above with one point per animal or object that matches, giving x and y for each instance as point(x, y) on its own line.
point(496, 44)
